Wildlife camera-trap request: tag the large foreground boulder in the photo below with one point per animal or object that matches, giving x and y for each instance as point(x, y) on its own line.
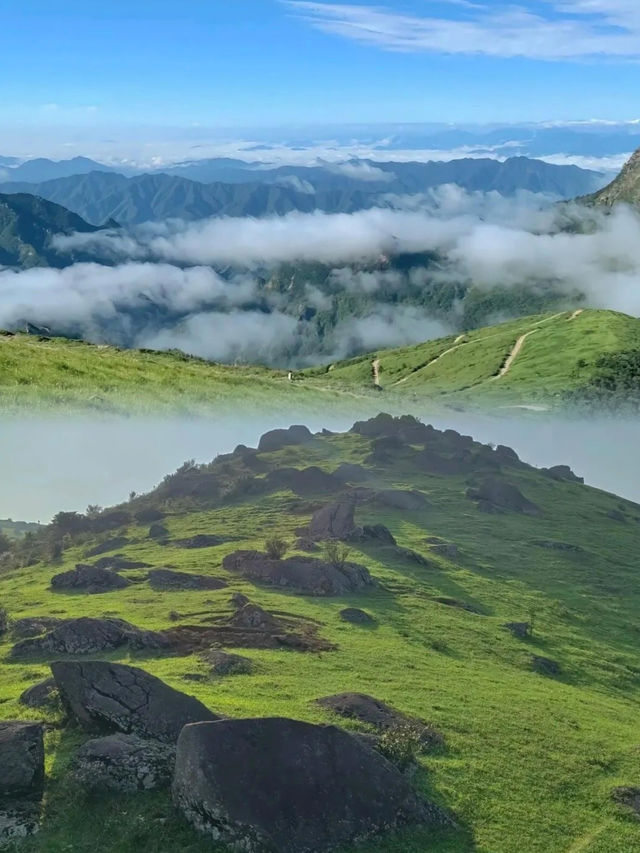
point(115, 697)
point(282, 786)
point(162, 579)
point(126, 763)
point(86, 636)
point(90, 579)
point(302, 574)
point(21, 759)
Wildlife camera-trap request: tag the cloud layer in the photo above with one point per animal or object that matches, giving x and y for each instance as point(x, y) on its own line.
point(560, 30)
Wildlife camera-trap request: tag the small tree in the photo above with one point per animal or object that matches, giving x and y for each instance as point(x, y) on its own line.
point(336, 553)
point(276, 547)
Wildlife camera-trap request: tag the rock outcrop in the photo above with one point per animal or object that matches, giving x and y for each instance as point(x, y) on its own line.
point(355, 616)
point(496, 495)
point(301, 574)
point(308, 481)
point(280, 785)
point(224, 663)
point(113, 544)
point(21, 759)
point(89, 579)
point(163, 579)
point(86, 636)
point(39, 695)
point(334, 521)
point(277, 439)
point(115, 697)
point(125, 763)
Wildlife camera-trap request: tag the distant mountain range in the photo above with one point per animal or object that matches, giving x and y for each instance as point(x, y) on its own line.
point(180, 192)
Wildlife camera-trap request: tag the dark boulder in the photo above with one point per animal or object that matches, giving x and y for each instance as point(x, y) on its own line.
point(86, 636)
point(377, 533)
point(306, 544)
point(496, 495)
point(407, 499)
point(254, 617)
point(628, 798)
point(238, 600)
point(276, 439)
point(33, 626)
point(224, 663)
point(267, 785)
point(308, 481)
point(112, 696)
point(562, 472)
point(21, 759)
point(520, 630)
point(39, 695)
point(301, 574)
point(89, 579)
point(545, 666)
point(158, 532)
point(348, 472)
point(335, 521)
point(356, 616)
point(455, 602)
point(506, 455)
point(442, 548)
point(119, 563)
point(122, 762)
point(161, 579)
point(110, 545)
point(19, 819)
point(377, 714)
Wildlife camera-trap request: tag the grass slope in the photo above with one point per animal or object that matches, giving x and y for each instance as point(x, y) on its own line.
point(558, 355)
point(530, 761)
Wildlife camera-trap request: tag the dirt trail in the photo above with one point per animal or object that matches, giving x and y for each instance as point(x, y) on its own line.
point(375, 369)
point(515, 352)
point(576, 314)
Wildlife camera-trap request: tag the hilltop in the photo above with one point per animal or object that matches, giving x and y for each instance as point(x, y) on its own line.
point(625, 188)
point(547, 361)
point(502, 601)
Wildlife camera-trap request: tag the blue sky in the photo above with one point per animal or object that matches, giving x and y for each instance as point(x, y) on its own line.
point(270, 62)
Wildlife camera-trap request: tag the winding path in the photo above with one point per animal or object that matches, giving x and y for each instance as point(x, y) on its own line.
point(515, 352)
point(375, 368)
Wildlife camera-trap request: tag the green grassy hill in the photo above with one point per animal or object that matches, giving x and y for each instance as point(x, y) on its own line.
point(531, 759)
point(541, 362)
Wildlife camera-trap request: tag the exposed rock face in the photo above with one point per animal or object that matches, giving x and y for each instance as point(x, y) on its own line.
point(223, 663)
point(277, 785)
point(33, 626)
point(302, 574)
point(335, 521)
point(520, 630)
point(496, 495)
point(18, 819)
point(112, 696)
point(562, 472)
point(125, 763)
point(356, 616)
point(21, 759)
point(161, 579)
point(110, 545)
point(276, 439)
point(39, 695)
point(90, 579)
point(347, 472)
point(238, 600)
point(379, 715)
point(86, 636)
point(308, 481)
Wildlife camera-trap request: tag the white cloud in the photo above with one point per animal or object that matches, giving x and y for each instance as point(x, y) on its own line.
point(361, 171)
point(569, 30)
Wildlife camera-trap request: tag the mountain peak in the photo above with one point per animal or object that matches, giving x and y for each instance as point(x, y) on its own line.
point(624, 188)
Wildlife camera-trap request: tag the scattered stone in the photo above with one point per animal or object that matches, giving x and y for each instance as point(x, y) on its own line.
point(562, 472)
point(308, 481)
point(410, 500)
point(101, 694)
point(378, 533)
point(334, 521)
point(21, 759)
point(238, 600)
point(520, 630)
point(545, 666)
point(253, 616)
point(39, 695)
point(302, 574)
point(628, 798)
point(158, 531)
point(223, 663)
point(122, 762)
point(86, 636)
point(277, 439)
point(496, 495)
point(118, 563)
point(161, 579)
point(110, 545)
point(278, 784)
point(33, 626)
point(89, 579)
point(356, 616)
point(202, 540)
point(412, 556)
